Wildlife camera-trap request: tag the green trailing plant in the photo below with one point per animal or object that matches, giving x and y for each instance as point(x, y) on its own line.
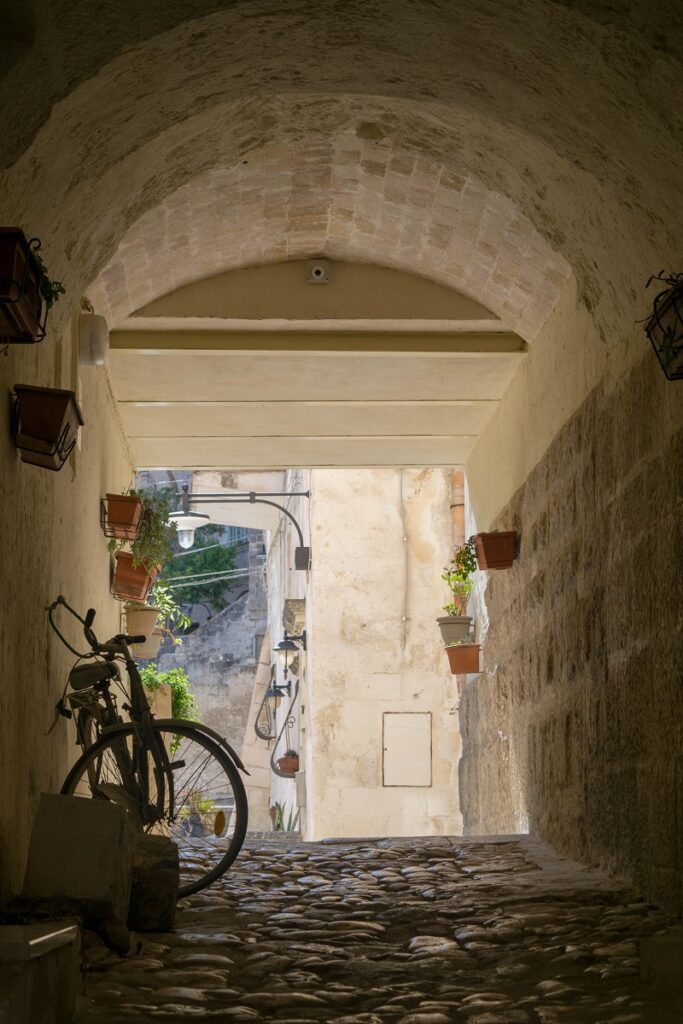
point(50, 290)
point(183, 702)
point(457, 575)
point(154, 543)
point(162, 596)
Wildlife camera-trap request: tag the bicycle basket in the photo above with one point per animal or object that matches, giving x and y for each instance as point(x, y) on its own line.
point(82, 676)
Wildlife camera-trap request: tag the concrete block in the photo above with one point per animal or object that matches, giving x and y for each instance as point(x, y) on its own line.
point(39, 973)
point(81, 855)
point(154, 890)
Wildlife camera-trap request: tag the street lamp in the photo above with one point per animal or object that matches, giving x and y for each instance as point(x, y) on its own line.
point(287, 648)
point(187, 523)
point(187, 520)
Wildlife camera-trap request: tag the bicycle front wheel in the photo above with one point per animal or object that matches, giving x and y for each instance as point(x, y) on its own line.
point(202, 806)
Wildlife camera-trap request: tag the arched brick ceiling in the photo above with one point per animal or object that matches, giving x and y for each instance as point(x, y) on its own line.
point(367, 182)
point(561, 122)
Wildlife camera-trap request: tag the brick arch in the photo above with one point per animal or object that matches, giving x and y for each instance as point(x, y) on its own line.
point(359, 193)
point(582, 145)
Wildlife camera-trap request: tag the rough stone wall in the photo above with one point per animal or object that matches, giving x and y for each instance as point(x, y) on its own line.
point(576, 721)
point(220, 659)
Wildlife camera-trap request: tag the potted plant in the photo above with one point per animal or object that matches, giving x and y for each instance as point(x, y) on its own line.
point(132, 582)
point(141, 619)
point(135, 570)
point(120, 515)
point(171, 614)
point(463, 655)
point(26, 291)
point(456, 623)
point(289, 762)
point(664, 327)
point(496, 550)
point(46, 422)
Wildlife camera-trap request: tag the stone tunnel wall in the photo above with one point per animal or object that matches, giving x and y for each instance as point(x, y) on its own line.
point(575, 725)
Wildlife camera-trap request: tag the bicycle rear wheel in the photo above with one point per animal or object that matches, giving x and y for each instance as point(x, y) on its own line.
point(203, 810)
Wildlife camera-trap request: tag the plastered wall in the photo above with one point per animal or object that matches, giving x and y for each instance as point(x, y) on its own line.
point(574, 728)
point(51, 543)
point(379, 539)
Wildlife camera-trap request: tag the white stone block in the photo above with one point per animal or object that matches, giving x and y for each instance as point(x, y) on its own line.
point(39, 973)
point(81, 850)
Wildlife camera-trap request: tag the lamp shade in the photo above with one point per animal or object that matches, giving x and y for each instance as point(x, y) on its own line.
point(187, 523)
point(285, 650)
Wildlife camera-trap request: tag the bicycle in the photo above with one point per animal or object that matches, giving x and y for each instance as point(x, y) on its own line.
point(173, 777)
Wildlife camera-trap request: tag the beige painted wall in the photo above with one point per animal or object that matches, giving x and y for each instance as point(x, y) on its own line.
point(51, 543)
point(379, 539)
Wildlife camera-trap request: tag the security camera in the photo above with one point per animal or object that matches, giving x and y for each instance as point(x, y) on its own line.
point(318, 271)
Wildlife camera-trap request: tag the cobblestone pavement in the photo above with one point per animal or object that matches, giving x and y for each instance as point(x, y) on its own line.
point(425, 931)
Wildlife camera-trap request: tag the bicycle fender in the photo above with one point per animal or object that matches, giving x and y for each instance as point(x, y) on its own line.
point(109, 730)
point(220, 740)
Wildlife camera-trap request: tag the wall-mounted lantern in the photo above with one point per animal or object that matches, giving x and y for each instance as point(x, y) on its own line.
point(664, 327)
point(188, 521)
point(288, 648)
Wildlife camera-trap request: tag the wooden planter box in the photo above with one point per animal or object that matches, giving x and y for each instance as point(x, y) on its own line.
point(22, 309)
point(120, 516)
point(46, 422)
point(496, 550)
point(131, 583)
point(288, 765)
point(463, 658)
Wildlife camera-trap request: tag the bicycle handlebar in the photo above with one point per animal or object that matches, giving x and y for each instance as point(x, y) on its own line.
point(86, 622)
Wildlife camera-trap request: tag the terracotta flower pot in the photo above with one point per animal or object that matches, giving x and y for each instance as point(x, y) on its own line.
point(46, 422)
point(131, 583)
point(288, 765)
point(120, 516)
point(496, 550)
point(454, 627)
point(463, 658)
point(22, 314)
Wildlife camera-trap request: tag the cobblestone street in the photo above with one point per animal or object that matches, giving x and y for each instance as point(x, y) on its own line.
point(427, 931)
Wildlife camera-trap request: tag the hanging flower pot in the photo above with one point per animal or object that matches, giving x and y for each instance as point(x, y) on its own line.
point(26, 291)
point(496, 550)
point(131, 583)
point(289, 763)
point(454, 627)
point(120, 516)
point(463, 658)
point(46, 422)
point(664, 327)
point(141, 620)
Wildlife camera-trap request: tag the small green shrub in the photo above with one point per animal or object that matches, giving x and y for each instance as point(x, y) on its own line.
point(183, 702)
point(457, 576)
